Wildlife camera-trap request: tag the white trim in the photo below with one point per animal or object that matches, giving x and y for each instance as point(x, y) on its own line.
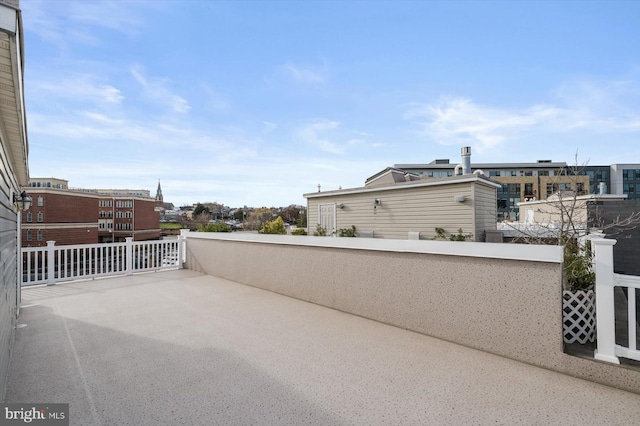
point(400, 186)
point(528, 252)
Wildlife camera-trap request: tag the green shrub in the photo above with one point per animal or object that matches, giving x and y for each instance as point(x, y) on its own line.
point(441, 234)
point(348, 232)
point(274, 227)
point(320, 231)
point(578, 267)
point(299, 231)
point(215, 227)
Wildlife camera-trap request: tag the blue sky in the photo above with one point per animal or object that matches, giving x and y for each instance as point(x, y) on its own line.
point(257, 102)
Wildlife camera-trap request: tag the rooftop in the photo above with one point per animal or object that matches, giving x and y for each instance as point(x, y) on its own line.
point(189, 348)
point(439, 164)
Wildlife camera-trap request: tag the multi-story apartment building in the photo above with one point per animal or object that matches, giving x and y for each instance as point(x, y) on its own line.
point(530, 181)
point(122, 216)
point(84, 216)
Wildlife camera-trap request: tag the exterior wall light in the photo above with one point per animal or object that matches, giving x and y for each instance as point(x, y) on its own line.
point(22, 201)
point(377, 202)
point(459, 198)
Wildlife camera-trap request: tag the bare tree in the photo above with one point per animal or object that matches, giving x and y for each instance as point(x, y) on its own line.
point(565, 217)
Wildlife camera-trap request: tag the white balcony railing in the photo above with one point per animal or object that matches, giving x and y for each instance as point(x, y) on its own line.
point(52, 264)
point(606, 281)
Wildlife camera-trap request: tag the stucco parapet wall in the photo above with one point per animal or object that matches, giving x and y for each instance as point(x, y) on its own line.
point(527, 252)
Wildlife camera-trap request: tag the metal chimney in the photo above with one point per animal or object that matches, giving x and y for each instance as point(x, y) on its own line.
point(466, 160)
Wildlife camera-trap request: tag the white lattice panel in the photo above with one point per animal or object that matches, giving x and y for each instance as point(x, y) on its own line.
point(579, 316)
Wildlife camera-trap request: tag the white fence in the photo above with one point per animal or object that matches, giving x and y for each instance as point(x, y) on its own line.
point(606, 281)
point(52, 264)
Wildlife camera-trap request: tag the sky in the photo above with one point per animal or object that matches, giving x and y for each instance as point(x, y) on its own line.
point(258, 102)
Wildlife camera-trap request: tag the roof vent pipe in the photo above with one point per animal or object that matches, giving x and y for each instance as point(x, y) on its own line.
point(466, 160)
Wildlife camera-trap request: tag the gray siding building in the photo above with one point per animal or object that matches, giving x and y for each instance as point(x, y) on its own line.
point(14, 172)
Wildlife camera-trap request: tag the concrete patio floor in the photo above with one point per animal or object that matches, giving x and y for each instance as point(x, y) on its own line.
point(184, 348)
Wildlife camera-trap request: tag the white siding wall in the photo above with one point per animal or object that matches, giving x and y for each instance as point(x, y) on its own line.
point(402, 211)
point(485, 204)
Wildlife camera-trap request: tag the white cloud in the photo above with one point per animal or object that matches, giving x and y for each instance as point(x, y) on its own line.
point(268, 127)
point(156, 89)
point(63, 23)
point(80, 87)
point(306, 74)
point(315, 134)
point(461, 121)
point(114, 15)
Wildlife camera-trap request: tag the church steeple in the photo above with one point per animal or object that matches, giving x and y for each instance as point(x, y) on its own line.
point(159, 198)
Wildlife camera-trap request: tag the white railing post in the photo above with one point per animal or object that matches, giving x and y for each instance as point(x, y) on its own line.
point(51, 263)
point(129, 255)
point(182, 247)
point(605, 305)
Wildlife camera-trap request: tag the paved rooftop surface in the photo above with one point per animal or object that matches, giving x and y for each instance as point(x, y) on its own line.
point(182, 348)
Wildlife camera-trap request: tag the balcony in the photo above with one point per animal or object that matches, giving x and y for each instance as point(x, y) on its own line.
point(190, 346)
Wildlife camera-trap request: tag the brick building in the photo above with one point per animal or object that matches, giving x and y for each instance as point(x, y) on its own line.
point(121, 216)
point(81, 216)
point(61, 216)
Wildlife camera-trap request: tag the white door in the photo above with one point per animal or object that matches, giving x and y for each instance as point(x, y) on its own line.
point(327, 217)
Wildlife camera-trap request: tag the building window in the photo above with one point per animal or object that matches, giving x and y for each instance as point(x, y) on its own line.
point(551, 188)
point(102, 203)
point(110, 225)
point(494, 173)
point(580, 188)
point(528, 173)
point(29, 217)
point(514, 188)
point(543, 172)
point(28, 234)
point(528, 189)
point(101, 225)
point(119, 214)
point(565, 186)
point(110, 203)
point(630, 174)
point(40, 202)
point(128, 215)
point(127, 226)
point(40, 216)
point(39, 235)
point(629, 188)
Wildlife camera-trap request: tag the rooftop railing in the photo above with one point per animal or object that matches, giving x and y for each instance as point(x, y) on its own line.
point(52, 264)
